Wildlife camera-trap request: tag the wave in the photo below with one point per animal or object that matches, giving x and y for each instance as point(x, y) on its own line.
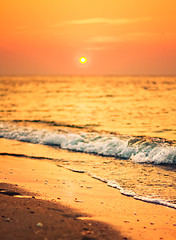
point(127, 193)
point(56, 124)
point(140, 149)
point(109, 183)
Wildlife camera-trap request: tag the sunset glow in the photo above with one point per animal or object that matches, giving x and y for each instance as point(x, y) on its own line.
point(121, 37)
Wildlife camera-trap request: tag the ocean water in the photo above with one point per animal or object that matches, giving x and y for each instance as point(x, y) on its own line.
point(120, 130)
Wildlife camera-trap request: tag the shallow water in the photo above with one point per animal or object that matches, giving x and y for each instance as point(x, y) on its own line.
point(125, 105)
point(127, 120)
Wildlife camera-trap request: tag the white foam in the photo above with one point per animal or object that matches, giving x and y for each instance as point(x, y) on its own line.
point(105, 145)
point(99, 144)
point(130, 193)
point(114, 185)
point(155, 201)
point(158, 155)
point(97, 177)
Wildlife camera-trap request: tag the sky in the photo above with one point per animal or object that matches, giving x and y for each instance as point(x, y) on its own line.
point(118, 37)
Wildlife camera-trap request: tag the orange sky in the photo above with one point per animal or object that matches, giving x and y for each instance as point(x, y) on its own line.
point(117, 37)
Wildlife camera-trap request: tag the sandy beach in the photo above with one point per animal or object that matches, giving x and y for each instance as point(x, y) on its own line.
point(67, 204)
point(25, 216)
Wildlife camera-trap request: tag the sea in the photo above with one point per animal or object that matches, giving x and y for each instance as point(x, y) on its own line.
point(120, 130)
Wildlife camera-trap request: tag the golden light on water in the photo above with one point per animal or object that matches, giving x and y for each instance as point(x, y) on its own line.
point(83, 60)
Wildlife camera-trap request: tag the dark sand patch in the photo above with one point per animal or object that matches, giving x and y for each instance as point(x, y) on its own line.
point(33, 218)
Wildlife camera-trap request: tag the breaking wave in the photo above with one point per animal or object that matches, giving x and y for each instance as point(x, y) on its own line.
point(138, 149)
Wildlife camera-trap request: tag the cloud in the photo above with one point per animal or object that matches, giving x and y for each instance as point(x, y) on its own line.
point(123, 37)
point(119, 21)
point(103, 39)
point(98, 48)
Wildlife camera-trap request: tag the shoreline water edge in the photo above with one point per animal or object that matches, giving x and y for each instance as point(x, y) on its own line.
point(79, 191)
point(155, 151)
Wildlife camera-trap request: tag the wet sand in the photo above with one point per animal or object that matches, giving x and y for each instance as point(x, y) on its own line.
point(59, 188)
point(25, 216)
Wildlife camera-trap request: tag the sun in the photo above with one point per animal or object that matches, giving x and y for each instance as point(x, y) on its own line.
point(83, 60)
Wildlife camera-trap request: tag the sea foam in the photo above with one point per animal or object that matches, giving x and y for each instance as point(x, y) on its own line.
point(137, 149)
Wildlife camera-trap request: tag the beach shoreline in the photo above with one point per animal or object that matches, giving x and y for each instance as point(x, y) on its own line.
point(134, 219)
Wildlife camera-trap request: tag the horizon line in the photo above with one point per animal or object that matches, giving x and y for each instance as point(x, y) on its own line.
point(88, 75)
